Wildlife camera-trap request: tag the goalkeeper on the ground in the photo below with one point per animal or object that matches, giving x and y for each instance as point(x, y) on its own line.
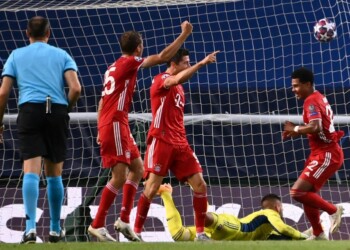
point(261, 225)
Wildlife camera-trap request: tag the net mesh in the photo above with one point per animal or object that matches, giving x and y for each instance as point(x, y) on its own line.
point(234, 108)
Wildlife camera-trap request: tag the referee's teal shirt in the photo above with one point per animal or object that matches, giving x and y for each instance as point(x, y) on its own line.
point(39, 71)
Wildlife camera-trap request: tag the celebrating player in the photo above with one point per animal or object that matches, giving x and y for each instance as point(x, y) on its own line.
point(167, 145)
point(326, 156)
point(118, 148)
point(261, 225)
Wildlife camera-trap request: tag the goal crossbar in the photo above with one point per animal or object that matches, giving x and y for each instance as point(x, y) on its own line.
point(89, 117)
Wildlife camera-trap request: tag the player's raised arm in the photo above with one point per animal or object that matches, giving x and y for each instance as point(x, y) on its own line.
point(186, 74)
point(167, 53)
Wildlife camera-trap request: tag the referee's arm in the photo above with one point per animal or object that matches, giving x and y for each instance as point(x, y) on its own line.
point(5, 90)
point(74, 86)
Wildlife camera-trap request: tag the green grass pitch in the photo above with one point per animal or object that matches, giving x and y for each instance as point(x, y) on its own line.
point(215, 245)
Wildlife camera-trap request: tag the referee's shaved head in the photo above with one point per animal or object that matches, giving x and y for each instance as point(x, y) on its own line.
point(38, 27)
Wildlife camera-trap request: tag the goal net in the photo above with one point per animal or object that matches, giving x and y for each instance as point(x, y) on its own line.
point(234, 111)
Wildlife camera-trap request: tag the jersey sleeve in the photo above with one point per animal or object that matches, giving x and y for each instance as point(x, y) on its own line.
point(282, 228)
point(134, 62)
point(69, 63)
point(158, 84)
point(311, 110)
point(9, 68)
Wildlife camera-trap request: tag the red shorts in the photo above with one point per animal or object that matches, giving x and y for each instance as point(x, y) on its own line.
point(117, 145)
point(181, 160)
point(320, 166)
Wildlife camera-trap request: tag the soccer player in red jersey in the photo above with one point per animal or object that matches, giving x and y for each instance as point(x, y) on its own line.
point(118, 148)
point(167, 145)
point(326, 155)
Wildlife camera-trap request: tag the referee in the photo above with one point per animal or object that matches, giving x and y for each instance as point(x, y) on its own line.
point(40, 72)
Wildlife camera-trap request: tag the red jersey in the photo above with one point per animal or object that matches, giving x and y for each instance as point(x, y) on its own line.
point(118, 89)
point(316, 107)
point(167, 112)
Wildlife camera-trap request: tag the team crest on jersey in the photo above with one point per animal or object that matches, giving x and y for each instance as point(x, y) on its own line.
point(127, 154)
point(312, 110)
point(157, 167)
point(165, 76)
point(138, 59)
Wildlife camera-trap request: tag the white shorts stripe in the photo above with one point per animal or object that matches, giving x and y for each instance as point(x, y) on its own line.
point(325, 164)
point(117, 138)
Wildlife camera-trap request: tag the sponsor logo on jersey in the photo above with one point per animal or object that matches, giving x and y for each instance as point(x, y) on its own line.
point(164, 76)
point(312, 110)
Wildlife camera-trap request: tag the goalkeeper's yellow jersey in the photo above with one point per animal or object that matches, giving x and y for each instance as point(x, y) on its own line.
point(256, 226)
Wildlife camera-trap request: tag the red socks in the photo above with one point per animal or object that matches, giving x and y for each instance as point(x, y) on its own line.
point(107, 198)
point(129, 191)
point(312, 199)
point(142, 211)
point(313, 214)
point(200, 203)
point(313, 203)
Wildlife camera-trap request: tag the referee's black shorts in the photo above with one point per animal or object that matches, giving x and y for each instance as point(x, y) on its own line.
point(42, 134)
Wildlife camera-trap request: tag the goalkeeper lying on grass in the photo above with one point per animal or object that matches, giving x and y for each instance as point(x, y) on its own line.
point(261, 225)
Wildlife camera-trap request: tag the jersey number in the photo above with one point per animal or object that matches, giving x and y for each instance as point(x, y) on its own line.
point(178, 102)
point(108, 78)
point(329, 113)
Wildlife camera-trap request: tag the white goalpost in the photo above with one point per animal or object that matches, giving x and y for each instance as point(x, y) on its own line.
point(235, 109)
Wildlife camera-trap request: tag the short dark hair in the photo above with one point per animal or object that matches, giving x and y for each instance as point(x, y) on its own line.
point(38, 27)
point(178, 56)
point(270, 197)
point(304, 75)
point(129, 41)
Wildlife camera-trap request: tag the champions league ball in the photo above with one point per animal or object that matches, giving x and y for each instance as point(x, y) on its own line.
point(325, 30)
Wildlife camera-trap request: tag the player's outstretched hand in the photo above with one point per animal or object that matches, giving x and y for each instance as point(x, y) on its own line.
point(288, 130)
point(288, 126)
point(186, 27)
point(210, 58)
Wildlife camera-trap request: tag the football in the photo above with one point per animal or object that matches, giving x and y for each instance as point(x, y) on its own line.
point(325, 30)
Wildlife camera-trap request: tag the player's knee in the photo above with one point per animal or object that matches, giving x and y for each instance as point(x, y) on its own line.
point(296, 194)
point(137, 167)
point(118, 180)
point(200, 187)
point(140, 171)
point(151, 190)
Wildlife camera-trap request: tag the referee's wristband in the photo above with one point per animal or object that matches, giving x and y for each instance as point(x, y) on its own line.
point(296, 129)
